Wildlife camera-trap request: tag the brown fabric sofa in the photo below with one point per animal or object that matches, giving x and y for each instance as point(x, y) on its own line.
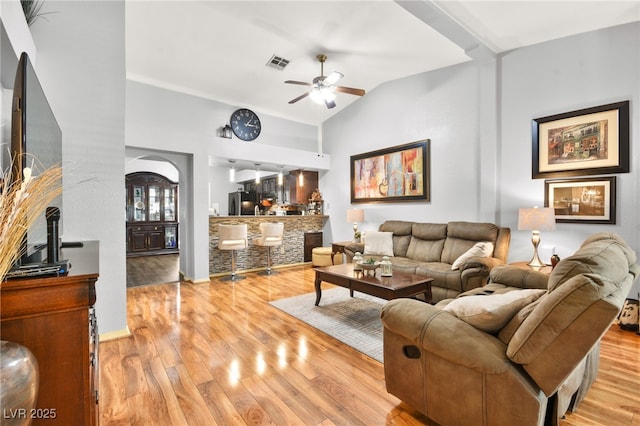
point(526, 372)
point(431, 249)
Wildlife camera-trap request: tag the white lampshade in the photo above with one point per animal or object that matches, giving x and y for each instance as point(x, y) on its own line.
point(536, 219)
point(355, 215)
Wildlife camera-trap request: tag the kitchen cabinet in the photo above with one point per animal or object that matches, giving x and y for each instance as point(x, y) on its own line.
point(300, 192)
point(152, 218)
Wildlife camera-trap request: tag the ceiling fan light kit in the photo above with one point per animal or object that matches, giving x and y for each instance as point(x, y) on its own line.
point(323, 95)
point(324, 88)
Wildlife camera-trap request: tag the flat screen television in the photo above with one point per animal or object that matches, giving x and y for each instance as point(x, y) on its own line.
point(36, 139)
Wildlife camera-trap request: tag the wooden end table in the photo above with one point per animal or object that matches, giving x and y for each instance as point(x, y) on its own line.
point(338, 248)
point(546, 269)
point(401, 284)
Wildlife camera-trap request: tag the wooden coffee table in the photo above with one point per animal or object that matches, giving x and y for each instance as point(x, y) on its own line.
point(401, 284)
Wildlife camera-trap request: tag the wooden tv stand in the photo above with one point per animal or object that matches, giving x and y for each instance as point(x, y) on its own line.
point(54, 317)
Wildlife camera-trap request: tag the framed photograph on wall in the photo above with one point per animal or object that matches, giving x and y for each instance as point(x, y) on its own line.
point(582, 200)
point(399, 173)
point(585, 142)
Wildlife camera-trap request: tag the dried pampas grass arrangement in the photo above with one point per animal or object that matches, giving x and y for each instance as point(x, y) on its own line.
point(21, 204)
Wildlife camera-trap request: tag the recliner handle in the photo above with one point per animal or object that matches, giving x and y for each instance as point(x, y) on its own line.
point(411, 351)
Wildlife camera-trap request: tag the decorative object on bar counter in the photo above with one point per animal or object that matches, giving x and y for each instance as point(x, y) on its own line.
point(315, 202)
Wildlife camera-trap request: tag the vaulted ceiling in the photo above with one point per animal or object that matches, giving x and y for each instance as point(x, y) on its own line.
point(220, 49)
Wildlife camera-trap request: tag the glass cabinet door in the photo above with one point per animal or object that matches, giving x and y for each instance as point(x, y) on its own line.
point(169, 204)
point(154, 203)
point(139, 212)
point(170, 236)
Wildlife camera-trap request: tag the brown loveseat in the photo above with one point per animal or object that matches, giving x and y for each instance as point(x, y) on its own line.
point(432, 248)
point(443, 363)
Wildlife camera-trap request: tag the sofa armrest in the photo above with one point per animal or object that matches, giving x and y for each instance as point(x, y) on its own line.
point(474, 272)
point(481, 262)
point(442, 334)
point(351, 249)
point(514, 276)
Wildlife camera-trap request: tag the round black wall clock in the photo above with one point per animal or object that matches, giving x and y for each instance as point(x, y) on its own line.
point(245, 124)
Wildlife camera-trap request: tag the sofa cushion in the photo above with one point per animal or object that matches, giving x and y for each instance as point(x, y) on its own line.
point(491, 312)
point(461, 236)
point(443, 275)
point(379, 243)
point(427, 241)
point(482, 249)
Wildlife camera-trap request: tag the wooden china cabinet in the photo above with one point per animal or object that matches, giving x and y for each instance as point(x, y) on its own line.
point(152, 214)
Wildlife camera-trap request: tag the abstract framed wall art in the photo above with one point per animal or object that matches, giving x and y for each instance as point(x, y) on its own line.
point(582, 200)
point(585, 142)
point(395, 174)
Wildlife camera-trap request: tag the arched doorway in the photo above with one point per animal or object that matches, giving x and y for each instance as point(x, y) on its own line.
point(161, 261)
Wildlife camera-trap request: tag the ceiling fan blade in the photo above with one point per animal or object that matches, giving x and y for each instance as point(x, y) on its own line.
point(350, 90)
point(301, 83)
point(330, 104)
point(332, 78)
point(304, 95)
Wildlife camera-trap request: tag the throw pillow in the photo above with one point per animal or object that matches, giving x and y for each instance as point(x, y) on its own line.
point(482, 249)
point(491, 313)
point(378, 243)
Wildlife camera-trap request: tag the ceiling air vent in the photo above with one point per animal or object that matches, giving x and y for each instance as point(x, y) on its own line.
point(278, 63)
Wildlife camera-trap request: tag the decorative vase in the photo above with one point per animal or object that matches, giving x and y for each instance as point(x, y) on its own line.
point(18, 383)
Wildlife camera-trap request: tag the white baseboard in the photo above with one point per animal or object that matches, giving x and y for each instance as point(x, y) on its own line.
point(113, 335)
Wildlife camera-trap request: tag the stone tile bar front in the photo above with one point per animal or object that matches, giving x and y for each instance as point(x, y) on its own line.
point(253, 258)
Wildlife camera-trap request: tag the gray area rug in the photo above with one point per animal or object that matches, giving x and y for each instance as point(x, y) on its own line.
point(354, 321)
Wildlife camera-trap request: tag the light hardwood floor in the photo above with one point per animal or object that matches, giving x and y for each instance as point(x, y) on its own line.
point(218, 354)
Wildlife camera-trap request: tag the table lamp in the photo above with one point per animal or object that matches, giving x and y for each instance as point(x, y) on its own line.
point(535, 220)
point(355, 216)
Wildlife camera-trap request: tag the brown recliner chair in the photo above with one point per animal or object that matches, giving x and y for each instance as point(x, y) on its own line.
point(457, 374)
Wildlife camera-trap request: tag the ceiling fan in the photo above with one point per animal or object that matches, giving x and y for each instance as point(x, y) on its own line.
point(324, 87)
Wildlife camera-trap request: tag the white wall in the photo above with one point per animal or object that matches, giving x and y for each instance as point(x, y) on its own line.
point(81, 65)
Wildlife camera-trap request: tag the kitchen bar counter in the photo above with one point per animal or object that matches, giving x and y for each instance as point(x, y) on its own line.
point(254, 258)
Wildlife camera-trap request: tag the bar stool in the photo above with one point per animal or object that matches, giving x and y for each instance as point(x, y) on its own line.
point(232, 237)
point(272, 234)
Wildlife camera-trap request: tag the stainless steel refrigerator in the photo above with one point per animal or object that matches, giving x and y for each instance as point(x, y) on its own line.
point(242, 203)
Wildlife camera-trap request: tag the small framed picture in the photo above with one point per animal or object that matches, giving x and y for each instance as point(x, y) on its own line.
point(591, 141)
point(582, 200)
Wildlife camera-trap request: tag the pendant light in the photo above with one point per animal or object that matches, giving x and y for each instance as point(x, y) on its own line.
point(232, 172)
point(280, 177)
